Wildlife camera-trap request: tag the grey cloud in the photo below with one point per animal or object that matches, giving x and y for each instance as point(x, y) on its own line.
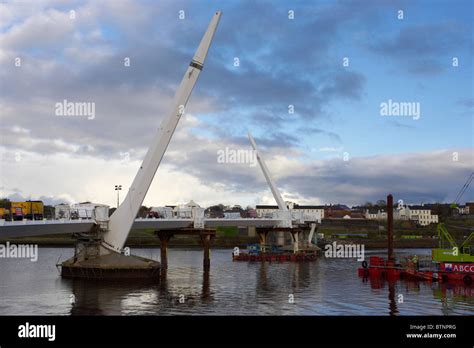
point(466, 102)
point(311, 131)
point(418, 48)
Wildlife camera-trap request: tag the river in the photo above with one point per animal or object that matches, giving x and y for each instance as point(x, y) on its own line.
point(322, 287)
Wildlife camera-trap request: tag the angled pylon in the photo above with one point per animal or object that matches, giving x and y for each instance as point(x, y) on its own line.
point(122, 219)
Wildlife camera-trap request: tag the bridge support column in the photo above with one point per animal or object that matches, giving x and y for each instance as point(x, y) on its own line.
point(206, 238)
point(164, 239)
point(206, 242)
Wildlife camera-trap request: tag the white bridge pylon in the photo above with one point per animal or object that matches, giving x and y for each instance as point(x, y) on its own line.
point(285, 215)
point(122, 219)
point(283, 212)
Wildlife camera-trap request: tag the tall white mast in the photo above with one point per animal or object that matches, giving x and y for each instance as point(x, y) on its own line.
point(122, 219)
point(283, 212)
point(276, 194)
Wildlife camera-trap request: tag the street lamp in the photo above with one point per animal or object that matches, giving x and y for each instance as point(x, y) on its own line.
point(118, 188)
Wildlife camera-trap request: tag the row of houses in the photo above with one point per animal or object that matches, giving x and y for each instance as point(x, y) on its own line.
point(420, 214)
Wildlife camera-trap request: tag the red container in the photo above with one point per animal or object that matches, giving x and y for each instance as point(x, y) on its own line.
point(376, 261)
point(374, 272)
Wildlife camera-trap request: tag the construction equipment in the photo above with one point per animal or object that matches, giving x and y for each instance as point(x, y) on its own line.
point(449, 250)
point(4, 213)
point(463, 189)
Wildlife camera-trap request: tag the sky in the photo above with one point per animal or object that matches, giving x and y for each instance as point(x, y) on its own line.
point(310, 84)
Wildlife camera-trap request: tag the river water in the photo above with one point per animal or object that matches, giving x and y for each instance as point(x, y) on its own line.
point(323, 287)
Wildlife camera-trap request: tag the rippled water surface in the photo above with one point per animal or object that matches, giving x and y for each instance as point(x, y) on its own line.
point(323, 287)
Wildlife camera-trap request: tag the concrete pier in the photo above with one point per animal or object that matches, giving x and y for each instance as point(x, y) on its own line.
point(205, 235)
point(111, 266)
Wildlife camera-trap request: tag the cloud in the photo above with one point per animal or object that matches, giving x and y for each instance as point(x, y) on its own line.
point(468, 103)
point(420, 48)
point(282, 62)
point(416, 177)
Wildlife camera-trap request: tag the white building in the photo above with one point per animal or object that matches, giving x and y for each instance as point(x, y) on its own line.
point(375, 214)
point(418, 213)
point(307, 210)
point(463, 209)
point(422, 215)
point(185, 211)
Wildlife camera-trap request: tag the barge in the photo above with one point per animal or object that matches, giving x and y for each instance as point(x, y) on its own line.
point(272, 253)
point(436, 272)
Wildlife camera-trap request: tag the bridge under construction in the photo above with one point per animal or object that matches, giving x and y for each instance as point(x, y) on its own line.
point(99, 246)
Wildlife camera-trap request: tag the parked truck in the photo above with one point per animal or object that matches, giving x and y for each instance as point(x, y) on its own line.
point(4, 213)
point(29, 210)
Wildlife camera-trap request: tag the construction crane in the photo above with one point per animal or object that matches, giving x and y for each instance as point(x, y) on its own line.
point(449, 250)
point(464, 188)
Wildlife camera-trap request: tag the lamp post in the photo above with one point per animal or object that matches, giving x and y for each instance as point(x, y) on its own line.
point(118, 188)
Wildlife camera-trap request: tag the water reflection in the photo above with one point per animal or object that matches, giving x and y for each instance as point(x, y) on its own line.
point(93, 297)
point(391, 296)
point(323, 287)
point(450, 294)
point(272, 286)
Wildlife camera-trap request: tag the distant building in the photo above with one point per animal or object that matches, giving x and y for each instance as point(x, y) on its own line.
point(371, 213)
point(420, 214)
point(263, 211)
point(469, 208)
point(185, 211)
point(381, 214)
point(375, 214)
point(336, 211)
point(357, 213)
point(463, 210)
